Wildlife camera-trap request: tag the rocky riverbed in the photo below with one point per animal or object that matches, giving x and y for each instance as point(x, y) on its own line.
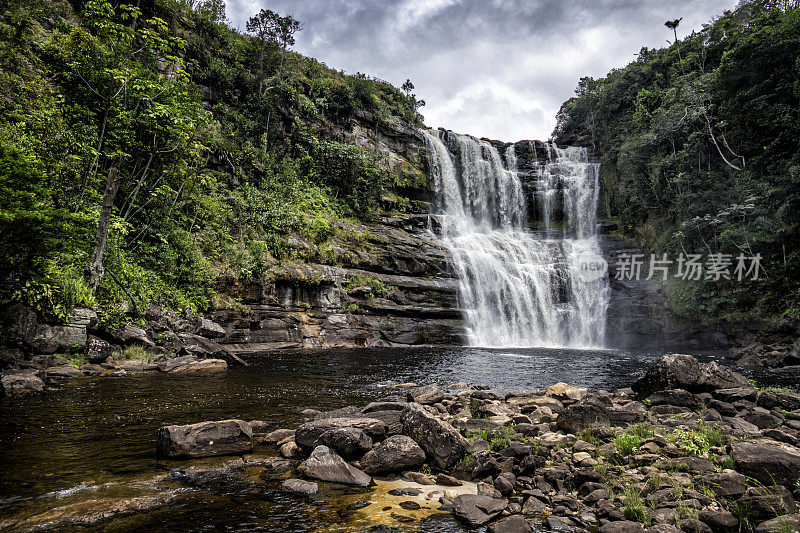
point(688, 447)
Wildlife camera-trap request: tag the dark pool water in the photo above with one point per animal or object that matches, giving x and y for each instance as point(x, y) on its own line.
point(99, 432)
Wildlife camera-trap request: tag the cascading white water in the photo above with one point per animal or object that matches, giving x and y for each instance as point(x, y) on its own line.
point(517, 288)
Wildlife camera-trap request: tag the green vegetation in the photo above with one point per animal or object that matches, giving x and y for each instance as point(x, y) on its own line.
point(135, 352)
point(501, 439)
point(634, 506)
point(373, 287)
point(149, 152)
point(628, 443)
point(77, 360)
point(698, 441)
point(477, 409)
point(700, 150)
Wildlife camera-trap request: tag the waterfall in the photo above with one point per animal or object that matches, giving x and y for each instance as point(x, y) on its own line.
point(520, 288)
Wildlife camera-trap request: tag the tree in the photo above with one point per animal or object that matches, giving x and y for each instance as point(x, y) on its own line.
point(407, 87)
point(673, 25)
point(270, 28)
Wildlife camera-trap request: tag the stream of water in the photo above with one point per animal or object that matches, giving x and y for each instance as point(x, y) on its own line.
point(520, 288)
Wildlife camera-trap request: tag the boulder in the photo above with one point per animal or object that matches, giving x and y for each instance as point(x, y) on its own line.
point(308, 434)
point(300, 487)
point(768, 461)
point(188, 363)
point(715, 376)
point(678, 397)
point(130, 335)
point(98, 350)
point(680, 371)
point(671, 371)
point(441, 441)
point(583, 415)
point(727, 483)
point(511, 524)
point(719, 519)
point(763, 503)
point(622, 526)
point(350, 443)
point(206, 439)
point(20, 384)
point(19, 325)
point(290, 450)
point(780, 523)
point(395, 454)
point(477, 510)
point(210, 329)
point(426, 395)
point(62, 372)
point(62, 338)
point(274, 437)
point(562, 391)
point(82, 316)
point(325, 465)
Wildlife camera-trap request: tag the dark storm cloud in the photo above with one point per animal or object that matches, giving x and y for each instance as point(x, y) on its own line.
point(495, 68)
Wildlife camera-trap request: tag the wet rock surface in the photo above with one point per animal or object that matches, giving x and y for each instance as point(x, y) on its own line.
point(205, 439)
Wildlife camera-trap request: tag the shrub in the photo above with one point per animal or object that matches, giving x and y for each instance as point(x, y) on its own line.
point(634, 506)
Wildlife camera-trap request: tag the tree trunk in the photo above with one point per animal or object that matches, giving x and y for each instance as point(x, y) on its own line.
point(94, 269)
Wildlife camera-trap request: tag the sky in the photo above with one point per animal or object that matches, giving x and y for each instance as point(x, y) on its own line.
point(491, 68)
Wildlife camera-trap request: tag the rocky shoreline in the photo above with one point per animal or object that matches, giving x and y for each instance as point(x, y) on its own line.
point(688, 447)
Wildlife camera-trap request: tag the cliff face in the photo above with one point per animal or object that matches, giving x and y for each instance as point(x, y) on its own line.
point(390, 284)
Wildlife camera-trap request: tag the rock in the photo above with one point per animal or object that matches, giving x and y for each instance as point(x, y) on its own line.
point(505, 483)
point(447, 481)
point(719, 519)
point(622, 526)
point(511, 524)
point(21, 384)
point(419, 477)
point(206, 439)
point(350, 443)
point(301, 487)
point(308, 434)
point(768, 461)
point(780, 523)
point(274, 437)
point(692, 525)
point(19, 325)
point(441, 441)
point(426, 395)
point(678, 397)
point(714, 376)
point(82, 316)
point(583, 415)
point(98, 350)
point(562, 391)
point(671, 371)
point(395, 454)
point(290, 450)
point(679, 371)
point(727, 483)
point(477, 510)
point(62, 372)
point(383, 406)
point(761, 418)
point(325, 465)
point(405, 491)
point(210, 329)
point(188, 364)
point(132, 335)
point(767, 502)
point(63, 338)
point(534, 507)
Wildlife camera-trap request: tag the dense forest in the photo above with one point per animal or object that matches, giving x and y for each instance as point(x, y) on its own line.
point(204, 153)
point(201, 151)
point(700, 151)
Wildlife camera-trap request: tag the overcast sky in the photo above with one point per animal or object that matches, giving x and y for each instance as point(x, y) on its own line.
point(491, 68)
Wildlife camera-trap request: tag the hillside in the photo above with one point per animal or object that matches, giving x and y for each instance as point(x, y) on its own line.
point(700, 150)
point(211, 155)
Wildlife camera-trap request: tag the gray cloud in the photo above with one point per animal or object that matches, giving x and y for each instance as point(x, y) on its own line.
point(494, 68)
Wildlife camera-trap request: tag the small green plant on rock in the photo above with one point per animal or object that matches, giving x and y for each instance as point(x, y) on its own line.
point(501, 439)
point(477, 409)
point(77, 360)
point(634, 506)
point(627, 443)
point(135, 352)
point(482, 433)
